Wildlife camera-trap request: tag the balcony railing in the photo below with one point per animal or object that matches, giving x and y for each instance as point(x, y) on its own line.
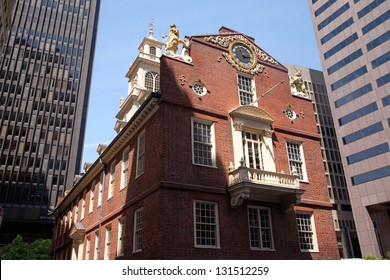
point(262, 185)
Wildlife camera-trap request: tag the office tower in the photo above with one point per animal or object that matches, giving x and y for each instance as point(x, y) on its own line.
point(45, 76)
point(337, 187)
point(214, 159)
point(6, 8)
point(353, 42)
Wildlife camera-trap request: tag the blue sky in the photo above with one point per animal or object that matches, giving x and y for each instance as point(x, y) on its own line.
point(282, 28)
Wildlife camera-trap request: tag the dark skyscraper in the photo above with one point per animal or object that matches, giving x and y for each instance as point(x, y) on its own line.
point(45, 75)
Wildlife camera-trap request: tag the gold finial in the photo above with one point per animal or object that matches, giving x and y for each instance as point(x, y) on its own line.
point(151, 28)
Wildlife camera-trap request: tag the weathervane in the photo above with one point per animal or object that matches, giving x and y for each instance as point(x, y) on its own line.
point(151, 28)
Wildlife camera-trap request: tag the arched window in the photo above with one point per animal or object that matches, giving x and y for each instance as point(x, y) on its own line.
point(152, 50)
point(152, 81)
point(149, 81)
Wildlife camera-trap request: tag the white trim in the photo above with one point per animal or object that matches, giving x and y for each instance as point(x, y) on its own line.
point(217, 241)
point(270, 228)
point(300, 143)
point(136, 212)
point(314, 234)
point(213, 145)
point(124, 169)
point(121, 242)
point(138, 171)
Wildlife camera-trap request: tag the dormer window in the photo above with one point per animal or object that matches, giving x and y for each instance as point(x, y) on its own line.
point(152, 81)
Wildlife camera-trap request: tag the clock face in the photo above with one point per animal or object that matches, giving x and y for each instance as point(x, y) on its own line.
point(243, 55)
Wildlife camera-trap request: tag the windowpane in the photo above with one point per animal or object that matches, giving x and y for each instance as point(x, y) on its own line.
point(295, 159)
point(202, 143)
point(206, 232)
point(245, 90)
point(305, 231)
point(260, 228)
point(138, 226)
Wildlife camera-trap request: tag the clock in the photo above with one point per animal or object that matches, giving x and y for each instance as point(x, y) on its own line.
point(243, 55)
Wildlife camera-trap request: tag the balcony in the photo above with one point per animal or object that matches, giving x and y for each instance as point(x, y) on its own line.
point(261, 185)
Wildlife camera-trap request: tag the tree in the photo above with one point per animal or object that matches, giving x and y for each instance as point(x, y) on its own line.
point(20, 250)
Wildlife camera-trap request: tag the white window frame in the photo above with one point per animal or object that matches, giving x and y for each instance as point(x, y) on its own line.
point(121, 236)
point(152, 83)
point(96, 252)
point(125, 169)
point(87, 248)
point(108, 240)
point(303, 174)
point(211, 144)
point(261, 144)
point(251, 92)
point(82, 214)
point(141, 154)
point(260, 229)
point(112, 180)
point(198, 222)
point(100, 188)
point(138, 230)
point(91, 197)
point(307, 234)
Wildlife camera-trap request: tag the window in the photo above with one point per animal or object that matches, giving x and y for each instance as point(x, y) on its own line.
point(321, 9)
point(100, 197)
point(83, 206)
point(295, 159)
point(121, 236)
point(332, 17)
point(125, 168)
point(96, 255)
point(336, 31)
point(206, 224)
point(357, 135)
point(369, 8)
point(107, 247)
point(260, 230)
point(379, 20)
point(88, 248)
point(91, 197)
point(371, 175)
point(380, 60)
point(358, 113)
point(368, 153)
point(345, 61)
point(152, 81)
point(306, 232)
point(378, 41)
point(252, 145)
point(245, 90)
point(138, 225)
point(349, 78)
point(112, 180)
point(353, 95)
point(152, 50)
point(203, 151)
point(141, 154)
point(383, 80)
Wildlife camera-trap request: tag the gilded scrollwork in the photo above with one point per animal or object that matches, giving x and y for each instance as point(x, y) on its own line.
point(225, 41)
point(256, 70)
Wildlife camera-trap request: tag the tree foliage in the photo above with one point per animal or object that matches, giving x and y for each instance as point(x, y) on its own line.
point(20, 250)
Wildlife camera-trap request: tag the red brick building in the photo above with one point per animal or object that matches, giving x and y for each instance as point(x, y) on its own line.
point(221, 162)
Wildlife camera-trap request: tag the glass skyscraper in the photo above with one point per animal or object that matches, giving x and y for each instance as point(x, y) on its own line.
point(45, 75)
point(353, 39)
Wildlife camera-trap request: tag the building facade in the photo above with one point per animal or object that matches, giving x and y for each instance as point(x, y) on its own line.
point(353, 41)
point(344, 224)
point(222, 162)
point(45, 65)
